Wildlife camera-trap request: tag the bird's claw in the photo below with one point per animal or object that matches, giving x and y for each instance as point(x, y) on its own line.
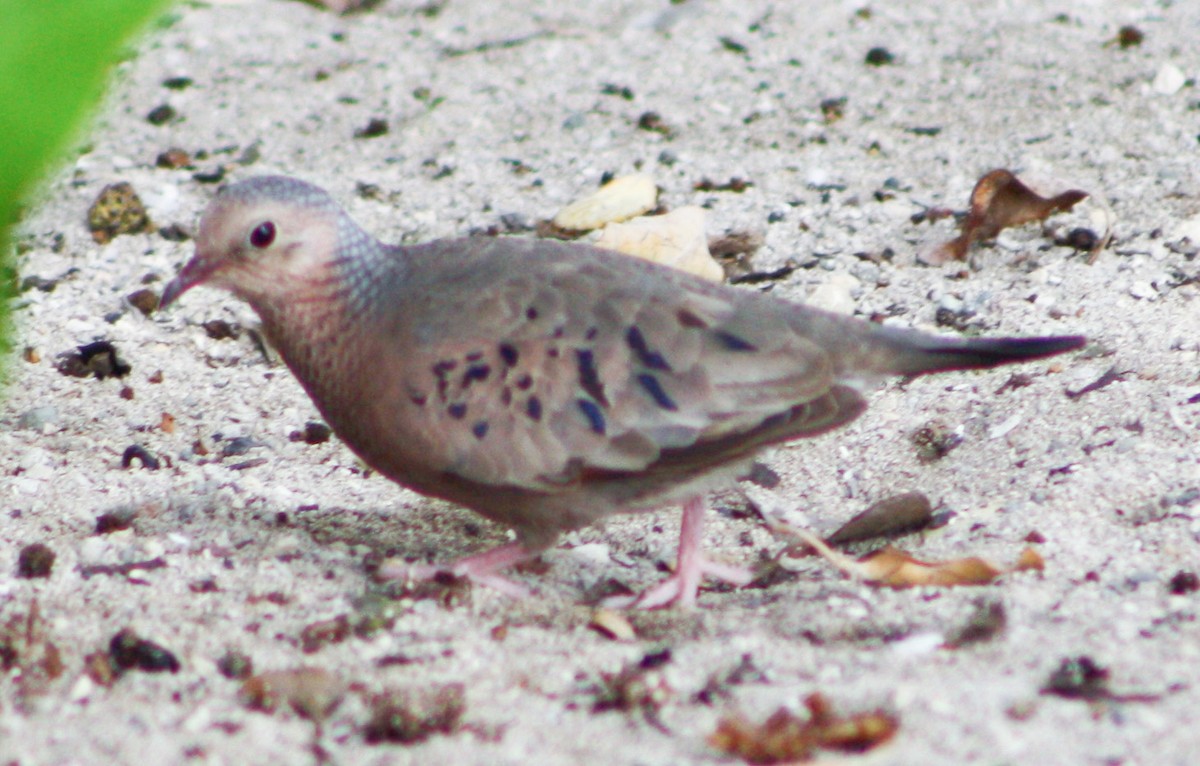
point(480, 568)
point(680, 588)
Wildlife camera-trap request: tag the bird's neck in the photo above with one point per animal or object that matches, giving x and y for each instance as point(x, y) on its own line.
point(326, 328)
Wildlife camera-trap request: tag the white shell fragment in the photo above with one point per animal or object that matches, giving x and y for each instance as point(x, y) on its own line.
point(618, 200)
point(836, 294)
point(676, 239)
point(1168, 80)
point(613, 624)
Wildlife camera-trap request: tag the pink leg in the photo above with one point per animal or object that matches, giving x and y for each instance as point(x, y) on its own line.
point(482, 568)
point(691, 565)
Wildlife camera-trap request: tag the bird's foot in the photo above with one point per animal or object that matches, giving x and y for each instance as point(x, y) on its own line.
point(481, 568)
point(680, 589)
point(692, 565)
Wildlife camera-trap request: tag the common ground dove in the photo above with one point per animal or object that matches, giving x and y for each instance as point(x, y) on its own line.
point(542, 384)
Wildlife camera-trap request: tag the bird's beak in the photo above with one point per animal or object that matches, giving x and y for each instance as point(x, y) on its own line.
point(193, 273)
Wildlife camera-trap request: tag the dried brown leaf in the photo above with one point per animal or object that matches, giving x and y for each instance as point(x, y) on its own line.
point(406, 717)
point(888, 517)
point(1000, 201)
point(893, 567)
point(311, 692)
point(786, 737)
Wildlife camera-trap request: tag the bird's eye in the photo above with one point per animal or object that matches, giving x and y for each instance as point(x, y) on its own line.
point(263, 235)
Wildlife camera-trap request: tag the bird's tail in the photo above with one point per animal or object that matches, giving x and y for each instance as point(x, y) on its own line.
point(917, 354)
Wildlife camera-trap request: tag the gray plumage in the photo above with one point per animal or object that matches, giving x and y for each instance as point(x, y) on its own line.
point(544, 385)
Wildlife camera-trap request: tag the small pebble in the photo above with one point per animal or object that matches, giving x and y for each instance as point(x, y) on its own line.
point(161, 114)
point(313, 433)
point(654, 123)
point(36, 418)
point(173, 159)
point(1130, 36)
point(35, 560)
point(174, 233)
point(235, 665)
point(128, 652)
point(97, 359)
point(879, 56)
point(117, 210)
point(219, 329)
point(145, 301)
point(1184, 582)
point(374, 128)
point(116, 520)
point(238, 446)
point(142, 455)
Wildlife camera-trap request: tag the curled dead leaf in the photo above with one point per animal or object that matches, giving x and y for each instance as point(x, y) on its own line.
point(1000, 201)
point(786, 737)
point(893, 567)
point(889, 517)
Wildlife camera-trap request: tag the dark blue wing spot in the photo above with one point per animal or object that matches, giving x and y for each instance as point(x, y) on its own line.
point(441, 370)
point(531, 313)
point(480, 429)
point(475, 372)
point(533, 408)
point(592, 412)
point(655, 389)
point(637, 344)
point(733, 342)
point(458, 410)
point(589, 378)
point(474, 356)
point(524, 382)
point(508, 353)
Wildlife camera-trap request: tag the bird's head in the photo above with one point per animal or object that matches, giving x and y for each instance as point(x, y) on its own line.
point(262, 239)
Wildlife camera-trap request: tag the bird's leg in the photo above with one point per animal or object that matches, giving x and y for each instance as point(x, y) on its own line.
point(482, 568)
point(680, 588)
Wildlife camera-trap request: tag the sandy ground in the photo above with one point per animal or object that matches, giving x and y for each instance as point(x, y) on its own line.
point(504, 112)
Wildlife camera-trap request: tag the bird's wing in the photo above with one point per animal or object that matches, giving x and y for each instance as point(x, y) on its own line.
point(590, 367)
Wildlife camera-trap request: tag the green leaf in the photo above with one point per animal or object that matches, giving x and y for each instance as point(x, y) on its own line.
point(54, 60)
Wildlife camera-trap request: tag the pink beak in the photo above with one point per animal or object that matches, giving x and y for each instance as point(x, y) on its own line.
point(194, 272)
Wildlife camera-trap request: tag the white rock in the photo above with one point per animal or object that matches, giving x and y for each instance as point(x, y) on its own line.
point(618, 200)
point(1003, 429)
point(1143, 290)
point(918, 644)
point(593, 553)
point(1169, 80)
point(836, 294)
point(1189, 229)
point(94, 550)
point(676, 239)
